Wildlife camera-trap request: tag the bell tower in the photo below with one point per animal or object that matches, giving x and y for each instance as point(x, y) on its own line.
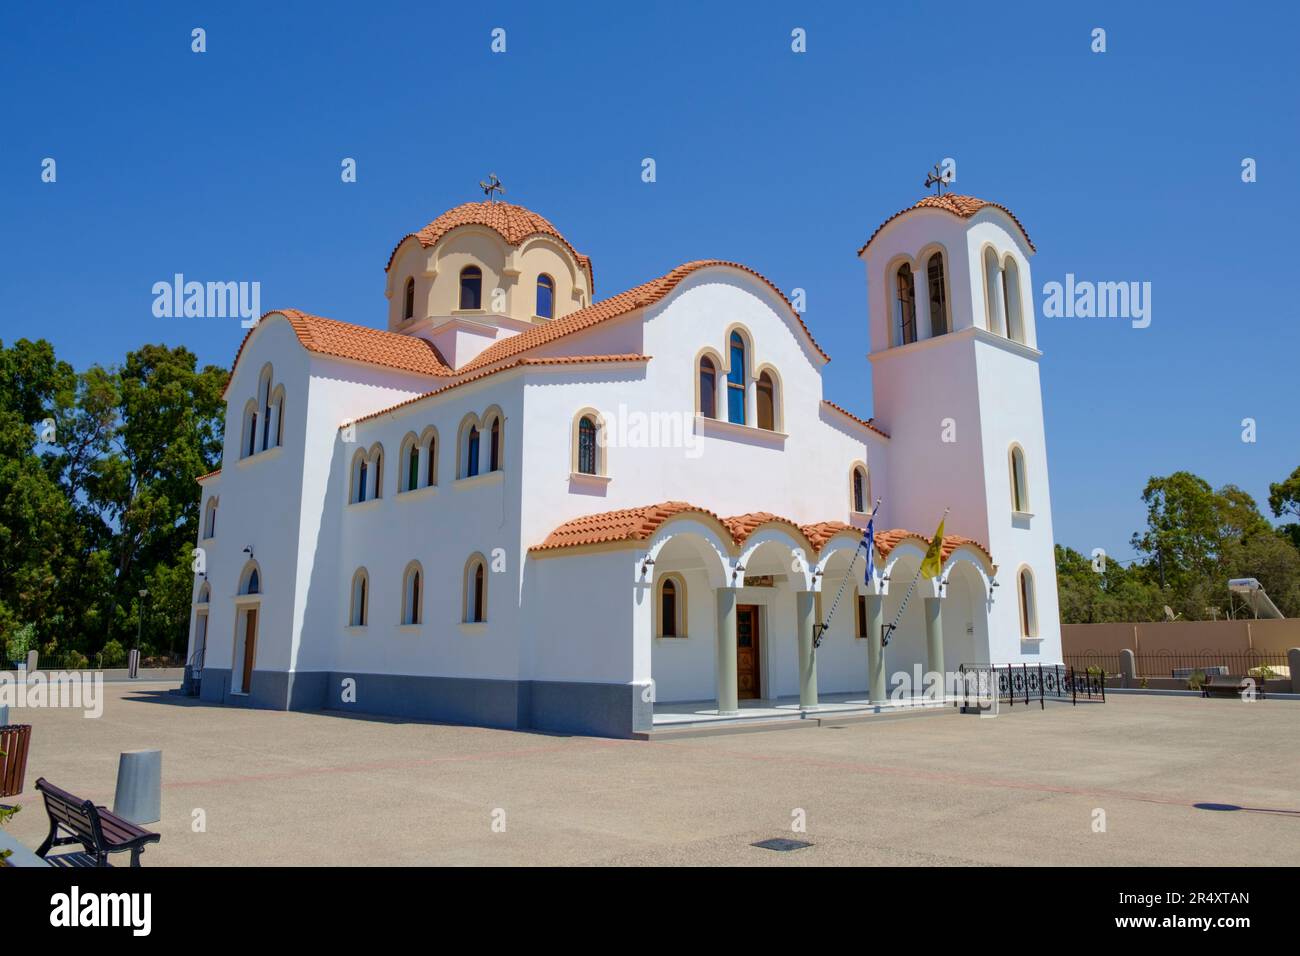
point(955, 380)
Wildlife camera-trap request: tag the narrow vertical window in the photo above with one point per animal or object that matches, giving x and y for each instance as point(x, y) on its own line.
point(545, 297)
point(408, 307)
point(938, 295)
point(494, 446)
point(252, 435)
point(361, 481)
point(413, 467)
point(1011, 296)
point(859, 491)
point(1019, 489)
point(478, 593)
point(668, 608)
point(736, 381)
point(708, 388)
point(431, 471)
point(862, 612)
point(411, 595)
point(377, 486)
point(586, 446)
point(471, 287)
point(993, 304)
point(471, 458)
point(1028, 611)
point(766, 402)
point(906, 298)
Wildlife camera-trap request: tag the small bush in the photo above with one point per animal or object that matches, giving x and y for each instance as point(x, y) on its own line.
point(113, 655)
point(1196, 680)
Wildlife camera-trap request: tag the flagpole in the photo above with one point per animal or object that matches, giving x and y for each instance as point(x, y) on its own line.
point(888, 630)
point(819, 630)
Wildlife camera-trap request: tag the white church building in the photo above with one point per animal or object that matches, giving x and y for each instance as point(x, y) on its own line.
point(522, 506)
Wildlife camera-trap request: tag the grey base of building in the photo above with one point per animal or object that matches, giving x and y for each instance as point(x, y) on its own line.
point(568, 707)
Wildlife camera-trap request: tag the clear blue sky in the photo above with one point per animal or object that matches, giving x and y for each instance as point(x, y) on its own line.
point(1123, 166)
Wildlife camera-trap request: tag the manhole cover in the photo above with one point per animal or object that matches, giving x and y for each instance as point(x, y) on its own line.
point(781, 844)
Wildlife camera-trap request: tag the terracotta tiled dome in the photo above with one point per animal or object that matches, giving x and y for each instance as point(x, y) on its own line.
point(513, 223)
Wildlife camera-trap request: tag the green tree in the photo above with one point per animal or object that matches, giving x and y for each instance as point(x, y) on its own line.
point(1284, 502)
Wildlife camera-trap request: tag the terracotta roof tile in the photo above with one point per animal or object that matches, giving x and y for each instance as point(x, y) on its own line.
point(646, 294)
point(821, 532)
point(638, 524)
point(963, 206)
point(211, 474)
point(512, 223)
point(627, 524)
point(742, 526)
point(484, 373)
point(359, 343)
point(868, 422)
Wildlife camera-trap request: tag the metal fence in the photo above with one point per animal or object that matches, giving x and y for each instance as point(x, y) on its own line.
point(1014, 684)
point(1180, 664)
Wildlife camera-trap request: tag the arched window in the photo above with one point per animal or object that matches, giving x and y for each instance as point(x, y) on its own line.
point(467, 447)
point(471, 287)
point(708, 388)
point(1028, 604)
point(1019, 484)
point(1011, 295)
point(494, 445)
point(377, 471)
point(431, 460)
point(210, 519)
point(861, 489)
point(411, 596)
point(250, 581)
point(939, 324)
point(408, 306)
point(471, 458)
point(475, 601)
point(545, 297)
point(277, 411)
point(766, 389)
point(993, 305)
point(736, 381)
point(671, 608)
point(411, 459)
point(587, 464)
point(264, 404)
point(358, 613)
point(248, 437)
point(905, 297)
point(360, 473)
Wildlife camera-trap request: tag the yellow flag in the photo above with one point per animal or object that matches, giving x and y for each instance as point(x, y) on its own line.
point(932, 564)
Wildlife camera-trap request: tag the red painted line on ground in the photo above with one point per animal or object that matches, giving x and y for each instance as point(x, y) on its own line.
point(939, 776)
point(594, 744)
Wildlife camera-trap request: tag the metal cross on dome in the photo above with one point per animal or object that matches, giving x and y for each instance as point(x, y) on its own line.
point(936, 179)
point(493, 185)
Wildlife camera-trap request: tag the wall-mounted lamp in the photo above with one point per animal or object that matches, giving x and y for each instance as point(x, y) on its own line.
point(646, 565)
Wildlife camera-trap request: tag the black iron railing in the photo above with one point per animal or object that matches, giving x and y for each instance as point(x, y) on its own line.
point(1178, 664)
point(1027, 683)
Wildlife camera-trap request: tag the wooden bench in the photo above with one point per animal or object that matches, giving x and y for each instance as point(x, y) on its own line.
point(1225, 686)
point(98, 831)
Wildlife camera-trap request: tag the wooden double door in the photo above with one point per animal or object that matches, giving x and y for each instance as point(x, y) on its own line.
point(749, 684)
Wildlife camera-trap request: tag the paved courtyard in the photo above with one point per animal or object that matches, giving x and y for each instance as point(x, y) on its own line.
point(1022, 788)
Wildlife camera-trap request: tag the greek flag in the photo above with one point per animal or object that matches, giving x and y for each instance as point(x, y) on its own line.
point(869, 541)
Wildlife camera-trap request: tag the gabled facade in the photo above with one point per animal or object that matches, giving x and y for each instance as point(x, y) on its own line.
point(520, 507)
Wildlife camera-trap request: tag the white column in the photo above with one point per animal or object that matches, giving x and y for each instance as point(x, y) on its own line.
point(728, 701)
point(805, 611)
